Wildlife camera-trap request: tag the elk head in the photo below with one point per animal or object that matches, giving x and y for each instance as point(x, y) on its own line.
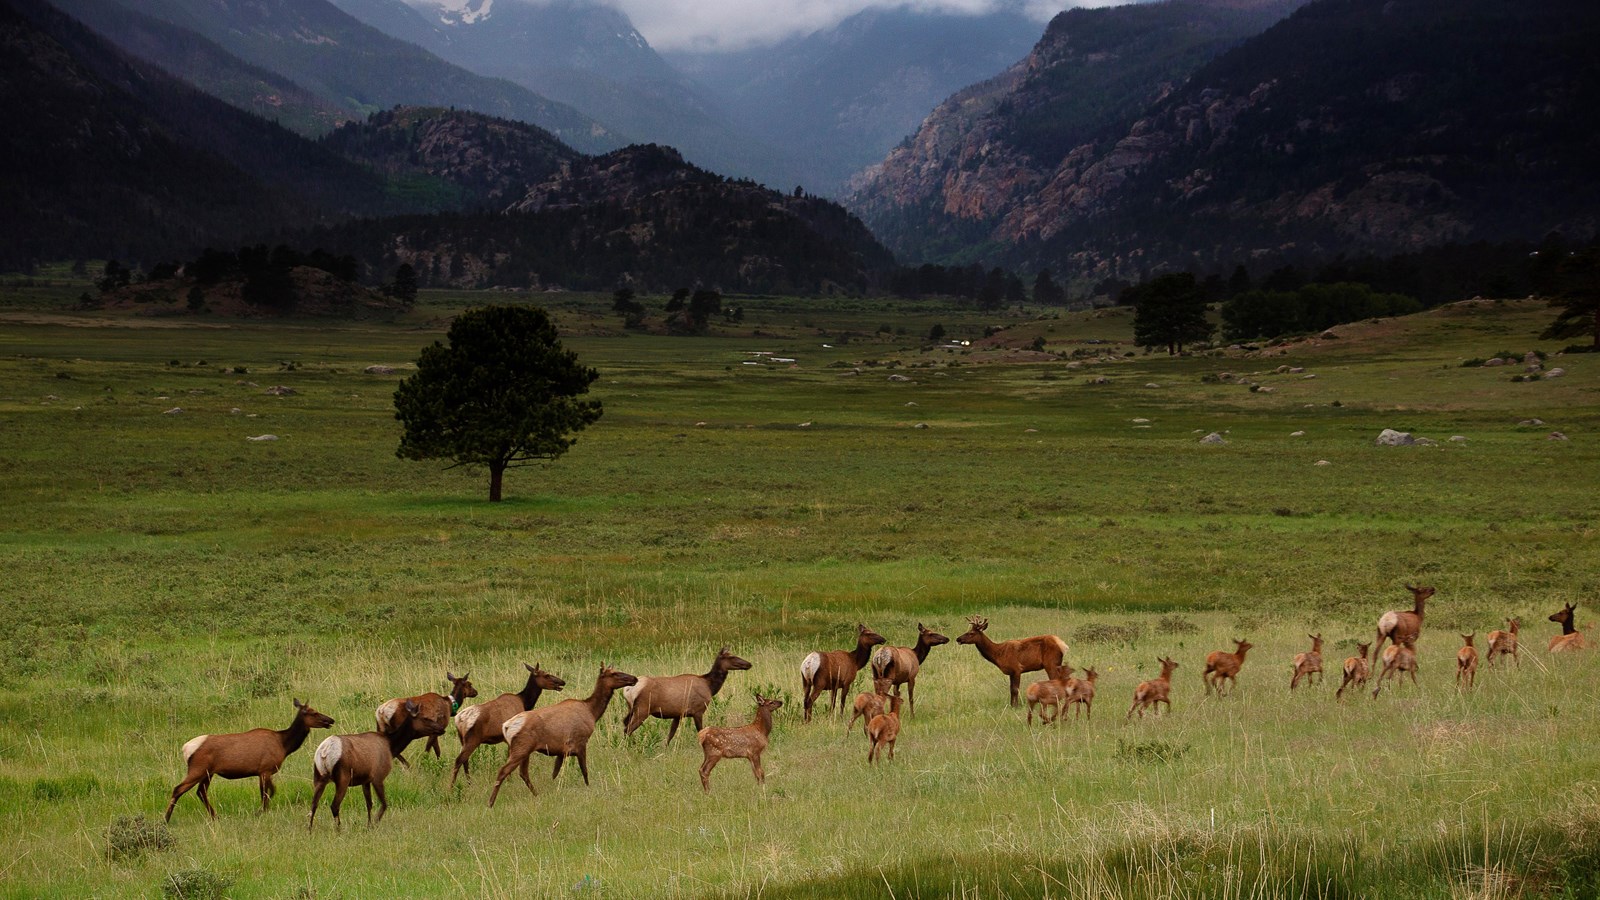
point(978, 625)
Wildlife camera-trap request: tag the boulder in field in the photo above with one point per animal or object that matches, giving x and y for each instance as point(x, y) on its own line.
point(279, 390)
point(262, 437)
point(379, 370)
point(1213, 438)
point(1391, 438)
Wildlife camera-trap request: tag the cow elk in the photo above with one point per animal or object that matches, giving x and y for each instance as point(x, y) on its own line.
point(1570, 637)
point(257, 753)
point(1467, 662)
point(1224, 666)
point(1017, 656)
point(1156, 690)
point(1399, 626)
point(835, 671)
point(431, 719)
point(363, 760)
point(1081, 697)
point(869, 704)
point(1504, 643)
point(1356, 670)
point(744, 742)
point(481, 724)
point(1050, 694)
point(1397, 659)
point(560, 731)
point(901, 664)
point(883, 731)
point(1308, 663)
point(678, 696)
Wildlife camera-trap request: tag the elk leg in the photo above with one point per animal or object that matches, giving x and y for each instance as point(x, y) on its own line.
point(699, 722)
point(755, 766)
point(181, 789)
point(316, 798)
point(505, 770)
point(636, 716)
point(523, 771)
point(1016, 682)
point(264, 781)
point(462, 760)
point(433, 744)
point(383, 801)
point(705, 771)
point(911, 696)
point(401, 759)
point(204, 792)
point(583, 764)
point(673, 729)
point(340, 785)
point(366, 792)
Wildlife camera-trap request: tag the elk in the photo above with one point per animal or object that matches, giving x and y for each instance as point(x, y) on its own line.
point(1050, 693)
point(835, 671)
point(1082, 693)
point(481, 724)
point(1400, 657)
point(1570, 637)
point(257, 753)
point(1504, 643)
point(869, 705)
point(1157, 690)
point(1356, 670)
point(356, 759)
point(431, 719)
point(1467, 661)
point(1014, 657)
point(1308, 663)
point(1397, 626)
point(883, 731)
point(678, 696)
point(1224, 666)
point(744, 742)
point(560, 731)
point(901, 664)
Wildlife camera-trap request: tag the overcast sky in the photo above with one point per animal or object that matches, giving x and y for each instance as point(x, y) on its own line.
point(735, 24)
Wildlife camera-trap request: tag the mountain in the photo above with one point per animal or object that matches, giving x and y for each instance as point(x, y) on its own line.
point(641, 216)
point(844, 96)
point(118, 158)
point(359, 68)
point(586, 55)
point(1352, 126)
point(207, 66)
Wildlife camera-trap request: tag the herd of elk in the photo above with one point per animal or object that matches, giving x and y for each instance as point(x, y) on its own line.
point(1014, 657)
point(835, 671)
point(563, 730)
point(901, 664)
point(679, 696)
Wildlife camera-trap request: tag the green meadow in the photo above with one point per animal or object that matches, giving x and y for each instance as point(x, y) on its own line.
point(767, 487)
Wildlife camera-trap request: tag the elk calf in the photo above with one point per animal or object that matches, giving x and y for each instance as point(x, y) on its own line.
point(1467, 662)
point(353, 759)
point(257, 753)
point(883, 731)
point(1356, 670)
point(1570, 637)
point(744, 742)
point(1308, 663)
point(901, 664)
point(835, 671)
point(1082, 694)
point(1157, 690)
point(1050, 693)
point(1014, 657)
point(1504, 643)
point(1224, 666)
point(431, 719)
point(869, 704)
point(1398, 658)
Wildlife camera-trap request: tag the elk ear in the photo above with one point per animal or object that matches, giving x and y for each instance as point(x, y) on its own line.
point(449, 676)
point(532, 668)
point(298, 704)
point(723, 651)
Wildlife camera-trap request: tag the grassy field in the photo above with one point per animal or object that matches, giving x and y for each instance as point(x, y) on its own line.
point(165, 577)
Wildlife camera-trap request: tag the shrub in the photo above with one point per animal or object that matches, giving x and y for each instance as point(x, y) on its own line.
point(130, 836)
point(1176, 625)
point(1150, 751)
point(195, 884)
point(1106, 633)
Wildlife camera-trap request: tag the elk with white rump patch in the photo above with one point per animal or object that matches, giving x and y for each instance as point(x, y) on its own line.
point(1014, 657)
point(679, 696)
point(835, 671)
point(1398, 626)
point(901, 664)
point(883, 731)
point(364, 760)
point(1356, 671)
point(1570, 637)
point(560, 731)
point(744, 742)
point(1504, 643)
point(1467, 662)
point(257, 753)
point(1308, 663)
point(430, 720)
point(1224, 666)
point(1050, 693)
point(1157, 690)
point(481, 724)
